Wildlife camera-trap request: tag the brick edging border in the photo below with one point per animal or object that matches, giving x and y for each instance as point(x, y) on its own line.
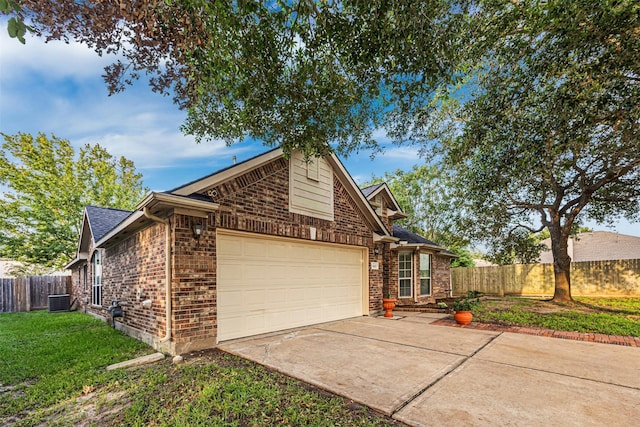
point(568, 335)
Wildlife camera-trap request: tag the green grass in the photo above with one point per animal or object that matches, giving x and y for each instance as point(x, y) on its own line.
point(49, 357)
point(52, 372)
point(612, 316)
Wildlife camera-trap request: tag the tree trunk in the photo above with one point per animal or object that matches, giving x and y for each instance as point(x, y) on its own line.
point(561, 265)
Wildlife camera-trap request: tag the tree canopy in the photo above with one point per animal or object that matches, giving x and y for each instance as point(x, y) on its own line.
point(46, 185)
point(306, 74)
point(550, 132)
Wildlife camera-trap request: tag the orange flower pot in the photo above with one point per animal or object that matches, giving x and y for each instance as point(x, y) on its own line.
point(388, 304)
point(463, 317)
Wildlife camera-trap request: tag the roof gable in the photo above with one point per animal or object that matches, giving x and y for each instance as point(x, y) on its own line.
point(234, 171)
point(383, 190)
point(103, 220)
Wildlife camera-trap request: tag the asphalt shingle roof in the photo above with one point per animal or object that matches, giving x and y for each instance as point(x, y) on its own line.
point(103, 220)
point(406, 235)
point(368, 190)
point(597, 246)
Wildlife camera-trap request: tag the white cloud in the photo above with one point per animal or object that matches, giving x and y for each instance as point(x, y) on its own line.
point(401, 153)
point(55, 59)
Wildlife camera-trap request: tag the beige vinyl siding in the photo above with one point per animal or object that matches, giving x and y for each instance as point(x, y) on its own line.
point(308, 195)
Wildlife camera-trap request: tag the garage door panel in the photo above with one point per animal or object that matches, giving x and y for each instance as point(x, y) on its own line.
point(267, 284)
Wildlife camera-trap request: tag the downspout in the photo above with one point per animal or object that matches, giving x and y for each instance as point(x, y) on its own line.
point(167, 266)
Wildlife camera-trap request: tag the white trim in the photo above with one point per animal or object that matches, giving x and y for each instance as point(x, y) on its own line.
point(174, 201)
point(398, 209)
point(96, 279)
point(420, 274)
point(410, 278)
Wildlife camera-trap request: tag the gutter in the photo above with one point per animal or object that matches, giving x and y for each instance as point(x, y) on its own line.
point(167, 252)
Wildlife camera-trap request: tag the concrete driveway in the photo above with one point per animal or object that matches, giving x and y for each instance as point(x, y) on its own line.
point(428, 375)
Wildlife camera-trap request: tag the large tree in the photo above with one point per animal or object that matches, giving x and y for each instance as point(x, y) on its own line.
point(45, 186)
point(549, 132)
point(315, 75)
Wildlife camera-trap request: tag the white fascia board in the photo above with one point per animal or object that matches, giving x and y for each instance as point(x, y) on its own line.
point(175, 201)
point(386, 188)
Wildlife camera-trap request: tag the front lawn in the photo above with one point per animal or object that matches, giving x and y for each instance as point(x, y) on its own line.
point(52, 372)
point(612, 316)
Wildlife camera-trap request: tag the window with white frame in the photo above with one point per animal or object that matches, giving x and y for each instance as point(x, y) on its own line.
point(85, 279)
point(405, 282)
point(425, 274)
point(96, 282)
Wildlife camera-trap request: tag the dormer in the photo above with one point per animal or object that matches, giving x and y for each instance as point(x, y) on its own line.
point(383, 203)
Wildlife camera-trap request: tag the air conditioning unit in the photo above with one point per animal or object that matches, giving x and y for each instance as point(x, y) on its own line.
point(59, 303)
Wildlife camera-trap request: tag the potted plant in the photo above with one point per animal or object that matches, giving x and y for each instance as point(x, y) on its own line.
point(388, 304)
point(462, 308)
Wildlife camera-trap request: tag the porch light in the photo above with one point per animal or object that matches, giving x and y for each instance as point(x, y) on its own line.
point(197, 230)
point(376, 251)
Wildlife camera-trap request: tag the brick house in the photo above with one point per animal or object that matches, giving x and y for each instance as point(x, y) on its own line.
point(268, 244)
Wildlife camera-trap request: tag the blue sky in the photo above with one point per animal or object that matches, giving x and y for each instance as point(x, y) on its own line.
point(57, 88)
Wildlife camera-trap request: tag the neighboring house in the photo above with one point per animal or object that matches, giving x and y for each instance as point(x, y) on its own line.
point(479, 262)
point(597, 246)
point(6, 265)
point(265, 245)
point(10, 269)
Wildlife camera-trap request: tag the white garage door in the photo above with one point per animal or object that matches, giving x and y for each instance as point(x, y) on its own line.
point(269, 284)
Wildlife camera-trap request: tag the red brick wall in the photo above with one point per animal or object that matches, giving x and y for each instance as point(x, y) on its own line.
point(256, 202)
point(134, 271)
point(193, 284)
point(77, 285)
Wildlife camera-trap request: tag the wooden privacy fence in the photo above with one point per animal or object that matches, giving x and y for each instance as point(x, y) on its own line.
point(31, 293)
point(592, 278)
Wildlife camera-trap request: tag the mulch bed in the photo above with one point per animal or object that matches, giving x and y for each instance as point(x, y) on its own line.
point(569, 335)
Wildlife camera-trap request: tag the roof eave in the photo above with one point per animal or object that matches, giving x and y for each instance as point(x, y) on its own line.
point(228, 173)
point(156, 203)
point(75, 262)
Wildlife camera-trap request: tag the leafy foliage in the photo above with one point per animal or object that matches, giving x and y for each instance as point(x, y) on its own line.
point(424, 194)
point(16, 27)
point(47, 184)
point(302, 74)
point(467, 303)
point(549, 130)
